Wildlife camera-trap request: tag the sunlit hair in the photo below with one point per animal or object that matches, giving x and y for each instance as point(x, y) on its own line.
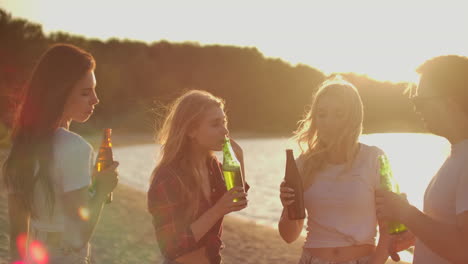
point(313, 149)
point(38, 117)
point(185, 114)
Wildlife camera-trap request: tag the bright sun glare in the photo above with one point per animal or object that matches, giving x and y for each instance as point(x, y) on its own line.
point(412, 164)
point(385, 40)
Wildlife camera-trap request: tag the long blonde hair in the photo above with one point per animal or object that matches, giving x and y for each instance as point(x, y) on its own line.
point(313, 150)
point(185, 114)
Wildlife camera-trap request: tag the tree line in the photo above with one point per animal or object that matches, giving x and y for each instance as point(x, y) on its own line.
point(136, 80)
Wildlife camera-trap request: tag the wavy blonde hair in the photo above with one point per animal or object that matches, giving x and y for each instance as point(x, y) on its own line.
point(313, 149)
point(185, 114)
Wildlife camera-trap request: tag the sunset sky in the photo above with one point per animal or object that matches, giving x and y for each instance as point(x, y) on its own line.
point(386, 40)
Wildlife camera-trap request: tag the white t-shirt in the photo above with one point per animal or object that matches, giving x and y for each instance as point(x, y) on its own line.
point(341, 203)
point(71, 170)
point(446, 196)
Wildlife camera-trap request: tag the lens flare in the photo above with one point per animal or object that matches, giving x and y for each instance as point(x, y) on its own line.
point(84, 213)
point(38, 253)
point(21, 241)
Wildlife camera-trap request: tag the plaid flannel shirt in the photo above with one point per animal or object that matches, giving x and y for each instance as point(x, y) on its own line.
point(168, 208)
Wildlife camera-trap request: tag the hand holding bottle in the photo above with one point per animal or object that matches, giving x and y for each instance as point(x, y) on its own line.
point(106, 180)
point(390, 190)
point(293, 181)
point(232, 169)
point(390, 206)
point(227, 204)
point(105, 158)
point(286, 194)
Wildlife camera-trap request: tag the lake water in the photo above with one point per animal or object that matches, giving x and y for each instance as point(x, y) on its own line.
point(415, 158)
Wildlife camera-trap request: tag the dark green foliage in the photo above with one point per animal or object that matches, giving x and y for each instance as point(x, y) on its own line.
point(135, 80)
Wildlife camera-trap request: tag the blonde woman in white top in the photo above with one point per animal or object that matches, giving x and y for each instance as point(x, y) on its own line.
point(49, 168)
point(340, 176)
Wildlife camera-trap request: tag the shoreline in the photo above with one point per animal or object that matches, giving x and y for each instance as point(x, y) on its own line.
point(123, 139)
point(125, 235)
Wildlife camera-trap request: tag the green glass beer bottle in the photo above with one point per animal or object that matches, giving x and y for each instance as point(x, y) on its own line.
point(293, 180)
point(387, 182)
point(104, 159)
point(231, 168)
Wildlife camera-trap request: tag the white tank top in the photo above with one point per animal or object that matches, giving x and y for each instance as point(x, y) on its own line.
point(341, 203)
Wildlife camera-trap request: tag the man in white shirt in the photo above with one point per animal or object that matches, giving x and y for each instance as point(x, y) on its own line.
point(441, 230)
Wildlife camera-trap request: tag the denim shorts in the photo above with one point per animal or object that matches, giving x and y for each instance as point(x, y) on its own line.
point(307, 258)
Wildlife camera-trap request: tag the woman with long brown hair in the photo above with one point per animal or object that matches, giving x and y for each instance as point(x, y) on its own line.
point(49, 168)
point(340, 177)
point(187, 196)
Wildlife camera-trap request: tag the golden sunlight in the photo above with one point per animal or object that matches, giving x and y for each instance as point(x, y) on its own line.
point(412, 165)
point(386, 41)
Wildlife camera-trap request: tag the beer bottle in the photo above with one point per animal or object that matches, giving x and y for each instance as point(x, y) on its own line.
point(231, 168)
point(293, 180)
point(105, 157)
point(387, 182)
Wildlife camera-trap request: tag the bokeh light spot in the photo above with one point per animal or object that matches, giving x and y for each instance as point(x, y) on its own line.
point(84, 213)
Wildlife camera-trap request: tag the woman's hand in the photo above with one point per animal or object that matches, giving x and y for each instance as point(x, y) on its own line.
point(226, 204)
point(399, 243)
point(391, 206)
point(286, 194)
point(107, 179)
point(289, 229)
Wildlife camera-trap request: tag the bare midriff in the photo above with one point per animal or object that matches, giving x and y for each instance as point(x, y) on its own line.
point(340, 254)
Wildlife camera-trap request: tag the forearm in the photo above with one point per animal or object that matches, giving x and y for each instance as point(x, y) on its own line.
point(381, 252)
point(444, 239)
point(96, 204)
point(87, 218)
point(205, 222)
point(289, 230)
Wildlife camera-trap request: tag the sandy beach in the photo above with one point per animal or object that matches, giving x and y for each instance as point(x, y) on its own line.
point(125, 236)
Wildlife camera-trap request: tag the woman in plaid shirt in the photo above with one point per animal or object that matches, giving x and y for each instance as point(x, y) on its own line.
point(187, 196)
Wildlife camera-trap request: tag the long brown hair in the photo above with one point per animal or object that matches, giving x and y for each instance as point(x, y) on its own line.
point(38, 117)
point(185, 114)
point(312, 158)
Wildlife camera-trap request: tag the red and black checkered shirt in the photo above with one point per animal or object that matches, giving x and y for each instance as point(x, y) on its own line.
point(169, 207)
